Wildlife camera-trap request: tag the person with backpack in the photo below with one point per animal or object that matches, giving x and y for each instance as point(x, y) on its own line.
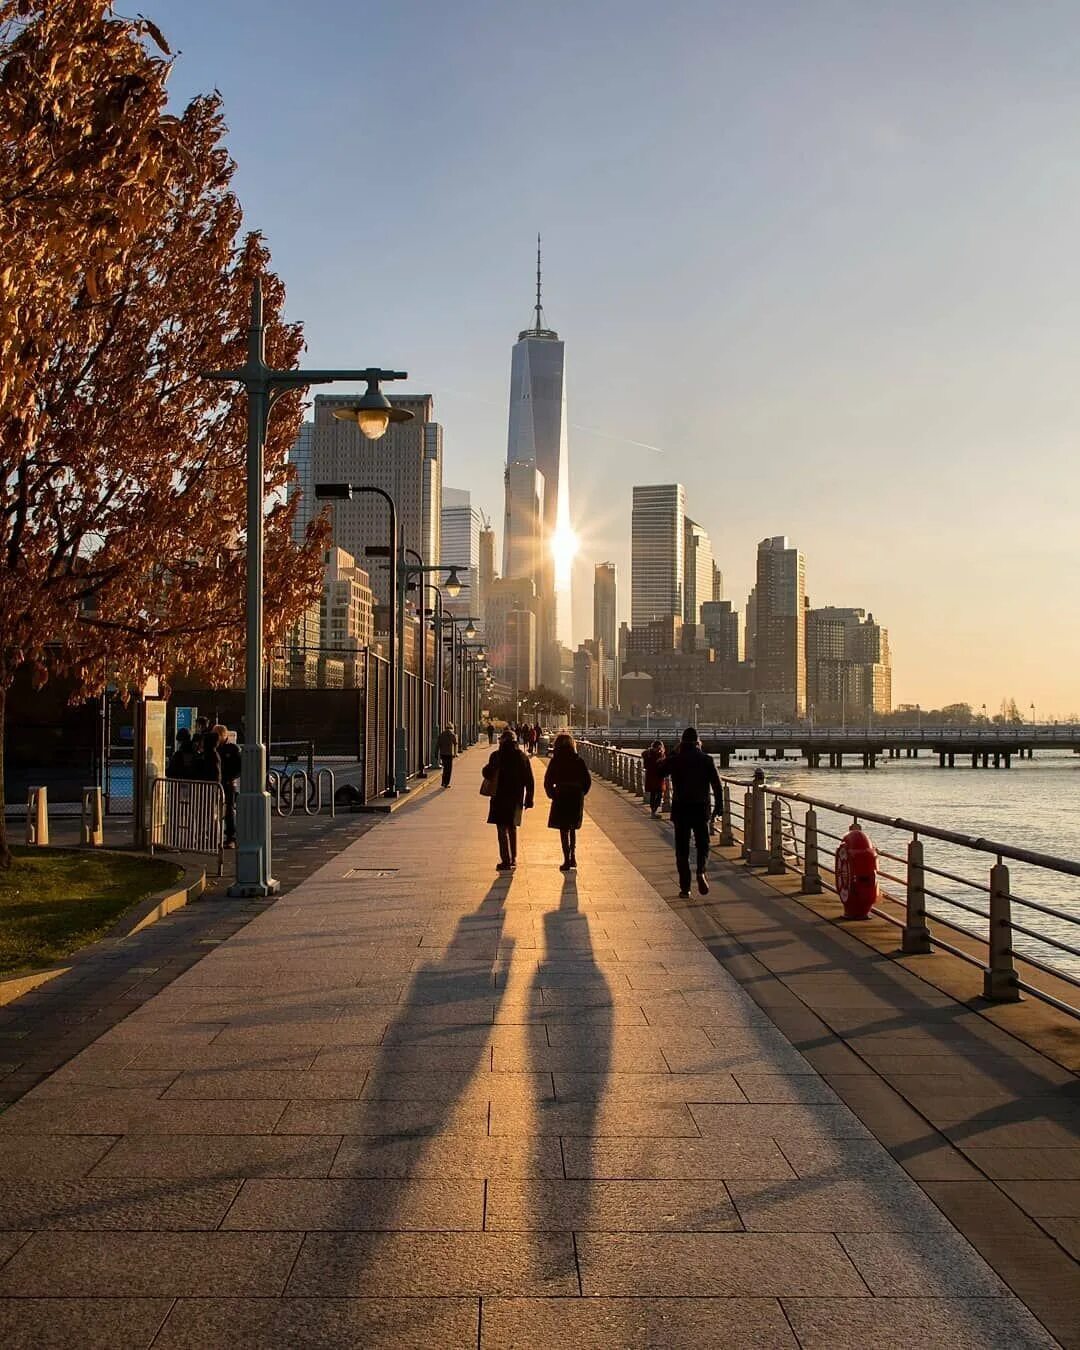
point(694, 782)
point(566, 782)
point(651, 760)
point(508, 782)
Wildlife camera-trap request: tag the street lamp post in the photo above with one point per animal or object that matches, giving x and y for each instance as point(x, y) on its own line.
point(453, 588)
point(263, 387)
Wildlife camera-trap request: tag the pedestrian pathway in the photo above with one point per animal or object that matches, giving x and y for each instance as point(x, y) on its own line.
point(420, 1103)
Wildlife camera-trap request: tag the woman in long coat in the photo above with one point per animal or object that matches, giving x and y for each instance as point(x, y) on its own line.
point(512, 787)
point(654, 779)
point(566, 782)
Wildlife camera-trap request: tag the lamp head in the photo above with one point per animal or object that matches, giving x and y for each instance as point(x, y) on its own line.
point(373, 412)
point(470, 629)
point(452, 584)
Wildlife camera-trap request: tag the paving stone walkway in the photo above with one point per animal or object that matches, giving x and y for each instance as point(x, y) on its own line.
point(420, 1103)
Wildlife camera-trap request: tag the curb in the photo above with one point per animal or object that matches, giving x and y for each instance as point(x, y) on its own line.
point(143, 914)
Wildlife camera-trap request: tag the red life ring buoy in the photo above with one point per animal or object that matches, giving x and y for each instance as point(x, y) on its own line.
point(856, 874)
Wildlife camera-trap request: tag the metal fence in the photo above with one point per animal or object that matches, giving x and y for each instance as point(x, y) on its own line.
point(1020, 943)
point(188, 816)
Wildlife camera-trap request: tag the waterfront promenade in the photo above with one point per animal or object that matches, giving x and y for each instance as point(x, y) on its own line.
point(419, 1103)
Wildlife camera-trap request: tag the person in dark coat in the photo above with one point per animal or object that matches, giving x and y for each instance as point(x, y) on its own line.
point(229, 753)
point(511, 776)
point(209, 762)
point(183, 762)
point(566, 782)
point(693, 778)
point(654, 779)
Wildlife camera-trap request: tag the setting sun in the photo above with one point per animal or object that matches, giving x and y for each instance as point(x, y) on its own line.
point(564, 549)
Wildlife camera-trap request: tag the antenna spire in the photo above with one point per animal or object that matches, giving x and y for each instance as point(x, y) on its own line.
point(539, 311)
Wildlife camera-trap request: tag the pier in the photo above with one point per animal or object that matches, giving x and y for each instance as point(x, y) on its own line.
point(416, 1102)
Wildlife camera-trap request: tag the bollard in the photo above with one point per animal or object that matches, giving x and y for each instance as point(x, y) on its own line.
point(727, 836)
point(915, 938)
point(92, 833)
point(759, 849)
point(999, 978)
point(776, 839)
point(811, 880)
point(747, 823)
point(37, 817)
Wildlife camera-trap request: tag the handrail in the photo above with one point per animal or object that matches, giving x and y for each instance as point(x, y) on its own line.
point(772, 841)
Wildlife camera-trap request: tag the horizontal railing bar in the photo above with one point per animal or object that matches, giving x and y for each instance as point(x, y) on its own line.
point(1043, 937)
point(951, 876)
point(1047, 969)
point(1044, 909)
point(959, 904)
point(1057, 1003)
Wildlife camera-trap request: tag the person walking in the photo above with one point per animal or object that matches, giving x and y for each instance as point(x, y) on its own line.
point(491, 733)
point(229, 753)
point(208, 767)
point(693, 778)
point(448, 748)
point(654, 781)
point(566, 782)
point(508, 782)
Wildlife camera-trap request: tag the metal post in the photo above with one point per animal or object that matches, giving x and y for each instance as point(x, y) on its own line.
point(776, 839)
point(421, 768)
point(747, 823)
point(811, 879)
point(727, 836)
point(999, 978)
point(759, 849)
point(915, 939)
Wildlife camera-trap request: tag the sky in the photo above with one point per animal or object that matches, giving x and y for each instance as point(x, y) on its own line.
point(819, 261)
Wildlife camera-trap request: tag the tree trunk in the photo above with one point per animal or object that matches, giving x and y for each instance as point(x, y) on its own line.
point(5, 852)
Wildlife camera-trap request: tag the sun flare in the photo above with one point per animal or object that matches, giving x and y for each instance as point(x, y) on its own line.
point(564, 549)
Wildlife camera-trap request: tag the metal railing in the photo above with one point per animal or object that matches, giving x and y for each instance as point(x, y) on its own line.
point(762, 821)
point(188, 815)
point(801, 733)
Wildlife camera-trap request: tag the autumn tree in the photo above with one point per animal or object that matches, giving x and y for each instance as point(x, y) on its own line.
point(123, 275)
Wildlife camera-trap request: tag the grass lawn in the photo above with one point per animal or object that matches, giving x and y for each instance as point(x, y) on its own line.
point(53, 903)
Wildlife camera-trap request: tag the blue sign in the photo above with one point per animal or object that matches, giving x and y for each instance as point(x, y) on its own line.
point(185, 719)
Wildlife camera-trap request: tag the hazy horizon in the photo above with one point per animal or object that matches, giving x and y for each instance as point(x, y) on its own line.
point(811, 260)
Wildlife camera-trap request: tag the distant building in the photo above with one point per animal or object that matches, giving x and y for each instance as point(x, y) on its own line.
point(461, 527)
point(588, 682)
point(780, 638)
point(406, 462)
point(512, 639)
point(698, 569)
point(717, 583)
point(750, 628)
point(722, 630)
point(488, 572)
point(657, 553)
point(347, 619)
point(637, 693)
point(605, 624)
point(661, 635)
point(849, 664)
point(302, 488)
point(524, 535)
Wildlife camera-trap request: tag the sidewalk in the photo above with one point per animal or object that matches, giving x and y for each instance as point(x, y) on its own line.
point(420, 1103)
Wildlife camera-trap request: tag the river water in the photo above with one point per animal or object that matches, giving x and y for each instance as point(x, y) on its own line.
point(1034, 805)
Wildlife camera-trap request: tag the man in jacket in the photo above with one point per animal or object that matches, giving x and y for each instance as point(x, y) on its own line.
point(448, 748)
point(694, 783)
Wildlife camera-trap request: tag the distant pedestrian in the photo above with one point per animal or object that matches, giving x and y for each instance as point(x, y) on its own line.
point(537, 733)
point(694, 781)
point(566, 782)
point(448, 748)
point(202, 726)
point(209, 762)
point(654, 779)
point(508, 780)
point(183, 762)
point(229, 754)
point(491, 733)
point(532, 739)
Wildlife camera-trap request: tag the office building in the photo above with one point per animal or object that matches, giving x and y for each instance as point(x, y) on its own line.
point(487, 569)
point(661, 635)
point(717, 583)
point(347, 615)
point(537, 436)
point(460, 530)
point(848, 663)
point(750, 626)
point(657, 553)
point(698, 569)
point(524, 538)
point(512, 633)
point(406, 462)
point(780, 637)
point(722, 630)
point(588, 681)
point(605, 625)
point(302, 488)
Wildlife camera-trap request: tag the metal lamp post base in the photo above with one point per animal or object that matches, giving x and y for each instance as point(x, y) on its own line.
point(253, 879)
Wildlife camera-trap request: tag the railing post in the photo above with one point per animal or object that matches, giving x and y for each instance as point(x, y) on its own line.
point(999, 978)
point(759, 848)
point(92, 832)
point(811, 879)
point(776, 839)
point(37, 817)
point(727, 838)
point(915, 939)
point(747, 823)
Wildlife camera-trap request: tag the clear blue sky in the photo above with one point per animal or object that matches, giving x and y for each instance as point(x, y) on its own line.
point(823, 254)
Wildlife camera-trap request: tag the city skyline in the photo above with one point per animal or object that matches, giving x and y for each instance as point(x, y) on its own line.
point(877, 315)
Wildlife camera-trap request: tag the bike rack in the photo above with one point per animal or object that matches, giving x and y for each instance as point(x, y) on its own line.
point(273, 786)
point(329, 774)
point(298, 775)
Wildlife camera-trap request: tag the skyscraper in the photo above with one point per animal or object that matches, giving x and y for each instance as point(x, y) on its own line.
point(537, 436)
point(698, 567)
point(780, 644)
point(524, 536)
point(460, 547)
point(721, 624)
point(303, 487)
point(848, 663)
point(487, 570)
point(657, 553)
point(406, 463)
point(605, 625)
